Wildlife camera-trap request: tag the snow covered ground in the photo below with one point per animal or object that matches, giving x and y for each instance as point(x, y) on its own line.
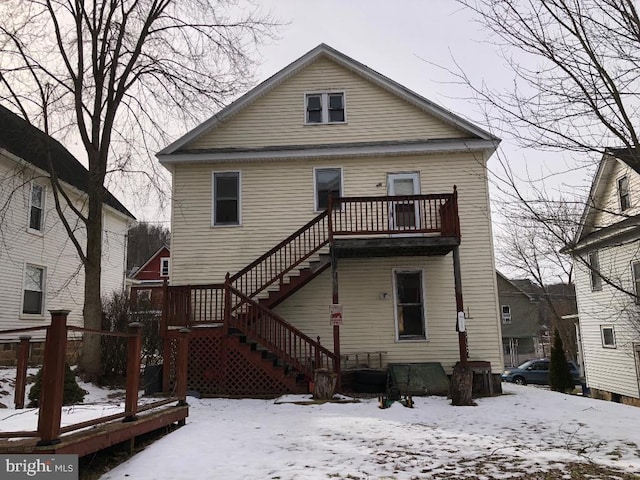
point(523, 434)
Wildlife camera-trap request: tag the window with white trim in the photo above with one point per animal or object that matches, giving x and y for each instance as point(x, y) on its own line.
point(594, 270)
point(409, 300)
point(164, 267)
point(506, 314)
point(33, 294)
point(144, 298)
point(623, 193)
point(328, 182)
point(325, 108)
point(608, 336)
point(226, 198)
point(36, 207)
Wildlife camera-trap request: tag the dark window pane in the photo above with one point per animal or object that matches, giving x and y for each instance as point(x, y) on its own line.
point(226, 186)
point(314, 116)
point(32, 302)
point(409, 288)
point(226, 211)
point(314, 103)
point(410, 320)
point(335, 102)
point(607, 334)
point(35, 221)
point(336, 115)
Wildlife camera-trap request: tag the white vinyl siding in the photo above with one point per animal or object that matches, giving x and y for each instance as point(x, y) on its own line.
point(64, 279)
point(608, 368)
point(270, 214)
point(374, 114)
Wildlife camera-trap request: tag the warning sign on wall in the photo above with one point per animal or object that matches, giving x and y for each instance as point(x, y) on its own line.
point(335, 314)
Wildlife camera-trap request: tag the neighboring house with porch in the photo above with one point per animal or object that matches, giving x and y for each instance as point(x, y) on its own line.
point(329, 184)
point(40, 267)
point(146, 283)
point(520, 317)
point(606, 254)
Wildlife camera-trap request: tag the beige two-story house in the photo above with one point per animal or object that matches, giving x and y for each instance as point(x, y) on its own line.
point(329, 212)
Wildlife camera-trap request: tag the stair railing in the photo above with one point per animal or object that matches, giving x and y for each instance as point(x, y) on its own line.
point(277, 335)
point(284, 257)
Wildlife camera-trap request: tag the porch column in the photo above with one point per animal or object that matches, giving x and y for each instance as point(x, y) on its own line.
point(460, 320)
point(336, 328)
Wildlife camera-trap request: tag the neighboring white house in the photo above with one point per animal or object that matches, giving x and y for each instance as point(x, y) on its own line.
point(39, 267)
point(607, 264)
point(254, 182)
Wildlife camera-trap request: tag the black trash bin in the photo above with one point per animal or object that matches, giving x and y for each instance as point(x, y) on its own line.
point(152, 379)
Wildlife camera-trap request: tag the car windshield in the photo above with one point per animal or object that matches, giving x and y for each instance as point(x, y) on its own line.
point(525, 364)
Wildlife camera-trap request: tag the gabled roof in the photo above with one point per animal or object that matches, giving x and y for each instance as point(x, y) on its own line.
point(514, 285)
point(151, 258)
point(326, 51)
point(27, 142)
point(600, 182)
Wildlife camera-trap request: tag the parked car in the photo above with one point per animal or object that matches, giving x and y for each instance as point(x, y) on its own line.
point(537, 372)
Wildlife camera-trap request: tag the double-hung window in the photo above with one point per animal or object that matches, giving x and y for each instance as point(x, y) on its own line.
point(33, 294)
point(506, 314)
point(226, 198)
point(594, 270)
point(328, 182)
point(36, 207)
point(409, 300)
point(164, 267)
point(325, 108)
point(623, 193)
point(635, 272)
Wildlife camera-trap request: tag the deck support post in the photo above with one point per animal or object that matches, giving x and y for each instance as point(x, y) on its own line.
point(460, 320)
point(227, 305)
point(336, 328)
point(21, 371)
point(182, 366)
point(53, 367)
point(134, 349)
point(164, 330)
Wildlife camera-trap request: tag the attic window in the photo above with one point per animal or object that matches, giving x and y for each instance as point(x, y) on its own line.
point(325, 108)
point(36, 213)
point(623, 193)
point(164, 267)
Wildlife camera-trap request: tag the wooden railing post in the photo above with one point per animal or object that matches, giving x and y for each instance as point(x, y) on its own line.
point(134, 349)
point(182, 364)
point(330, 217)
point(227, 304)
point(21, 371)
point(51, 396)
point(455, 213)
point(317, 359)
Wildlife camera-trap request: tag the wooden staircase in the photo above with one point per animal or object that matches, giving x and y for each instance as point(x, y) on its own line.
point(244, 304)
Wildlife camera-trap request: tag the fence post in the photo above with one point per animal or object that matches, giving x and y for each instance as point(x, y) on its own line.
point(182, 366)
point(227, 304)
point(134, 348)
point(52, 377)
point(21, 371)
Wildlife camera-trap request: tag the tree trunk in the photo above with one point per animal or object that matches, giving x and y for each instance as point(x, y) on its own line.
point(90, 364)
point(461, 386)
point(324, 384)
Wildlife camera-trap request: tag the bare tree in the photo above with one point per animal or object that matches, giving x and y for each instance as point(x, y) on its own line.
point(145, 239)
point(120, 75)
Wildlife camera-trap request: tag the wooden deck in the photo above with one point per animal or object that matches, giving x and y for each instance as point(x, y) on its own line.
point(101, 436)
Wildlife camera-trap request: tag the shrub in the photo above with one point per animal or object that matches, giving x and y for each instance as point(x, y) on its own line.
point(72, 392)
point(560, 379)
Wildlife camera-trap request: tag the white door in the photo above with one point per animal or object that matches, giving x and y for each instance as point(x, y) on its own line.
point(404, 214)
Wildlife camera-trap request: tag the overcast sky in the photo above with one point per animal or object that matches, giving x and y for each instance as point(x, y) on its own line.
point(407, 40)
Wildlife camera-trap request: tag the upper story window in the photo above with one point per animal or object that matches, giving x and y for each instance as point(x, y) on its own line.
point(33, 294)
point(506, 313)
point(325, 108)
point(328, 182)
point(164, 267)
point(36, 207)
point(623, 193)
point(226, 198)
point(594, 270)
